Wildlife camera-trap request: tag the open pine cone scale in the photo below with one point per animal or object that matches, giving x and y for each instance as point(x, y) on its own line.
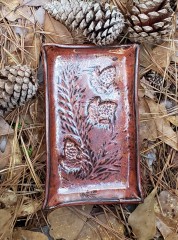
point(150, 19)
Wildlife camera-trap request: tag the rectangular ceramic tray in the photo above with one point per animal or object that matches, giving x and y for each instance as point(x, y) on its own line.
point(91, 124)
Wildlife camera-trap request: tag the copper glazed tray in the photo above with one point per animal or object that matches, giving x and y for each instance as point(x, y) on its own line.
point(92, 126)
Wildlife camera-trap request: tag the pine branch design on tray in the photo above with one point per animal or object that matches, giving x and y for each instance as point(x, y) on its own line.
point(76, 143)
point(78, 158)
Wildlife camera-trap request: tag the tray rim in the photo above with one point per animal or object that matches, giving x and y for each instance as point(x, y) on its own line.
point(139, 199)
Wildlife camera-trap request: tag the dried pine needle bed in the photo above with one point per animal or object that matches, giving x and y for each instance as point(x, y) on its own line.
point(24, 27)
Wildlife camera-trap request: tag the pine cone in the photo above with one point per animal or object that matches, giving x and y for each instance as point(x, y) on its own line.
point(150, 20)
point(17, 85)
point(158, 84)
point(101, 23)
point(155, 80)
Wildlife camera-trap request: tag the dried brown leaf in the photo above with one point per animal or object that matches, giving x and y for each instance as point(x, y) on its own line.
point(145, 53)
point(165, 132)
point(143, 219)
point(56, 32)
point(148, 128)
point(5, 151)
point(155, 58)
point(14, 10)
point(71, 223)
point(173, 120)
point(93, 230)
point(5, 128)
point(141, 91)
point(33, 48)
point(148, 91)
point(8, 198)
point(5, 142)
point(169, 205)
point(4, 223)
point(161, 55)
point(21, 234)
point(28, 207)
point(174, 56)
point(8, 10)
point(163, 227)
point(172, 236)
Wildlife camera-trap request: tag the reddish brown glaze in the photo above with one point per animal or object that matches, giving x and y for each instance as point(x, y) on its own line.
point(92, 130)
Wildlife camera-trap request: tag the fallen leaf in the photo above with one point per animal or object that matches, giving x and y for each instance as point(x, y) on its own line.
point(8, 198)
point(154, 58)
point(172, 236)
point(45, 230)
point(163, 226)
point(15, 11)
point(141, 91)
point(66, 223)
point(148, 128)
point(4, 223)
point(5, 142)
point(145, 53)
point(5, 151)
point(148, 91)
point(8, 10)
point(173, 120)
point(93, 230)
point(149, 153)
point(56, 32)
point(165, 132)
point(143, 219)
point(161, 55)
point(5, 128)
point(33, 47)
point(169, 205)
point(21, 234)
point(174, 56)
point(164, 222)
point(29, 206)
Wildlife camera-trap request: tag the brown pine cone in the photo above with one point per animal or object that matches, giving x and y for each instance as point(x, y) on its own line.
point(155, 80)
point(150, 20)
point(17, 85)
point(158, 84)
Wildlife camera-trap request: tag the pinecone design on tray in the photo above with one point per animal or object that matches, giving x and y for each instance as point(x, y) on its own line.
point(103, 80)
point(101, 23)
point(150, 20)
point(101, 113)
point(76, 160)
point(17, 85)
